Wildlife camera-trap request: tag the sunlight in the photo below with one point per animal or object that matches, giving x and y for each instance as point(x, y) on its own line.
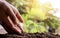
point(54, 3)
point(42, 1)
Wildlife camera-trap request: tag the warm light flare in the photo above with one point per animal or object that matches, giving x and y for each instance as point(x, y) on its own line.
point(55, 3)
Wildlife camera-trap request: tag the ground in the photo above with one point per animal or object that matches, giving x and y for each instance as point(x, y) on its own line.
point(30, 35)
point(27, 35)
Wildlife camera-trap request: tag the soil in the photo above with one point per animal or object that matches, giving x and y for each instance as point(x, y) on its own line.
point(30, 35)
point(27, 35)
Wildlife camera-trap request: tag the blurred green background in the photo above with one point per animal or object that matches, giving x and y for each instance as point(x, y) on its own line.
point(37, 17)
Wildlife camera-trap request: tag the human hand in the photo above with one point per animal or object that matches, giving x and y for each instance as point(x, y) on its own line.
point(10, 18)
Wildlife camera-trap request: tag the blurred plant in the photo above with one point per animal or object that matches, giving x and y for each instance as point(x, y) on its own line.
point(35, 15)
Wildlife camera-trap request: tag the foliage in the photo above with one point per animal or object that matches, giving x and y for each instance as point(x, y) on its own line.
point(36, 16)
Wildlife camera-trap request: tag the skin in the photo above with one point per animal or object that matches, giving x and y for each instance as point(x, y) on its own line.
point(10, 18)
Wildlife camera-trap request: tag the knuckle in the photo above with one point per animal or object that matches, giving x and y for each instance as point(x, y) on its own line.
point(1, 3)
point(14, 26)
point(3, 6)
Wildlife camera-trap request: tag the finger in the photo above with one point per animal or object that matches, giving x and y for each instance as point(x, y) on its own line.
point(11, 26)
point(12, 16)
point(17, 13)
point(20, 25)
point(19, 17)
point(14, 28)
point(8, 10)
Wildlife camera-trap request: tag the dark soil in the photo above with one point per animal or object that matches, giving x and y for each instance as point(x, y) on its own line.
point(30, 35)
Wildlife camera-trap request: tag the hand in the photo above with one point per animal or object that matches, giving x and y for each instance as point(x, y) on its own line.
point(10, 18)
